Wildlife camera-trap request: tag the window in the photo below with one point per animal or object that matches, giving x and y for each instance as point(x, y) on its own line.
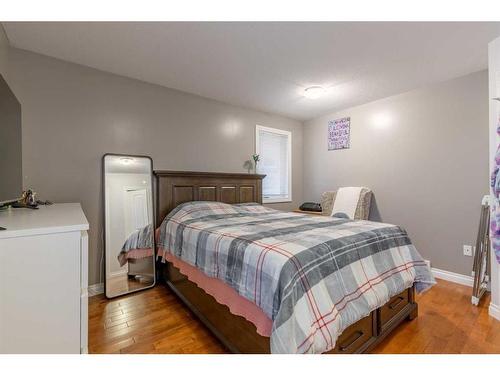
point(275, 149)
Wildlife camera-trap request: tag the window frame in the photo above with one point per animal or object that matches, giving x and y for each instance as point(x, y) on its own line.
point(258, 128)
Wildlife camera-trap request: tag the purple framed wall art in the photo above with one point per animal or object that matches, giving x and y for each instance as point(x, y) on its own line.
point(339, 134)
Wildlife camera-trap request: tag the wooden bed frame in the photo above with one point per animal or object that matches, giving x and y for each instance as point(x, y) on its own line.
point(235, 332)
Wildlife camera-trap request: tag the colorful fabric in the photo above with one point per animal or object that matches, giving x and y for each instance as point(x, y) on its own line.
point(495, 206)
point(138, 245)
point(312, 275)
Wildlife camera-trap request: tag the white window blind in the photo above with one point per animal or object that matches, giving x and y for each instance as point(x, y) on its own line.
point(274, 148)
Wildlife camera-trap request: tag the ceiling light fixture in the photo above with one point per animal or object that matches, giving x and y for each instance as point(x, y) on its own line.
point(314, 92)
point(126, 160)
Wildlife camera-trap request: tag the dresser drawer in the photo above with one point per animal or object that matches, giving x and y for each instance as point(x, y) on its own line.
point(356, 336)
point(395, 305)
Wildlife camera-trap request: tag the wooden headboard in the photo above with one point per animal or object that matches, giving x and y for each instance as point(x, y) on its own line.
point(176, 187)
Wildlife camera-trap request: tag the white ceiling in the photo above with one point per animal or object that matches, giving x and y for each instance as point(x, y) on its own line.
point(266, 66)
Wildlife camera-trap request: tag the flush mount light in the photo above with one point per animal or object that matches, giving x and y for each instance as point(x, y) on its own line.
point(126, 160)
point(314, 92)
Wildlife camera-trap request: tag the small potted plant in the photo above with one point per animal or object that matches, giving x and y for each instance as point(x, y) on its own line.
point(256, 159)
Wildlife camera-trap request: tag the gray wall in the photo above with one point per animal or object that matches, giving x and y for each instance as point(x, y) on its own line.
point(4, 51)
point(11, 177)
point(10, 130)
point(72, 115)
point(425, 155)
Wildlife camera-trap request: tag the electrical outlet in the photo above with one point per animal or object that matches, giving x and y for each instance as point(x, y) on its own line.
point(468, 250)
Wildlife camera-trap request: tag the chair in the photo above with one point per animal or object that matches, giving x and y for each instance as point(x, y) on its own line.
point(362, 211)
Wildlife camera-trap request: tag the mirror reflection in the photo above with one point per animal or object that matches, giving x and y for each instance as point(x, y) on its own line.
point(129, 233)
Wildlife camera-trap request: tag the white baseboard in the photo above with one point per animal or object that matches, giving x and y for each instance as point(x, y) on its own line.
point(453, 277)
point(96, 289)
point(494, 311)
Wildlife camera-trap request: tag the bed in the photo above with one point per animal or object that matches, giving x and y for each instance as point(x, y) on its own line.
point(238, 331)
point(138, 254)
point(137, 246)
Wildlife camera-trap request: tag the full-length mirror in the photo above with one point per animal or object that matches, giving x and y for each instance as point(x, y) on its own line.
point(129, 227)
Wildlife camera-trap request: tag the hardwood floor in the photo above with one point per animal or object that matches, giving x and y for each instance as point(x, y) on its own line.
point(155, 321)
point(122, 284)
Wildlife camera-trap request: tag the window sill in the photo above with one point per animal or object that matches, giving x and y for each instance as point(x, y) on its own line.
point(276, 200)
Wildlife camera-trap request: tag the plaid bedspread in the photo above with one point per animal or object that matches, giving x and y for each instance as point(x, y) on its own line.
point(141, 239)
point(312, 275)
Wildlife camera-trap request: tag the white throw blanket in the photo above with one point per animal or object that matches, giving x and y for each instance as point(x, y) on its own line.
point(346, 201)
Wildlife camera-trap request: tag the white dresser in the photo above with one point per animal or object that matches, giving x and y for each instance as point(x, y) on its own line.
point(43, 280)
